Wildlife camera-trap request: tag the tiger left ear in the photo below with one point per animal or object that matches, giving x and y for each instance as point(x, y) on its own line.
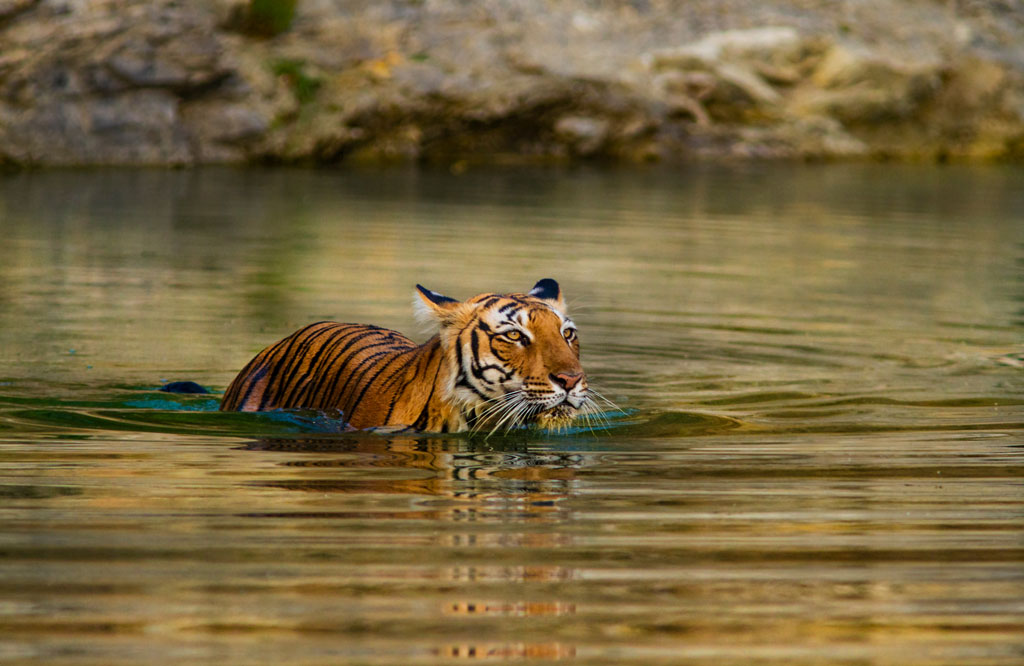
point(548, 290)
point(432, 306)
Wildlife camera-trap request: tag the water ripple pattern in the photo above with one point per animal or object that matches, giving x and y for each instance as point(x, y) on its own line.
point(819, 456)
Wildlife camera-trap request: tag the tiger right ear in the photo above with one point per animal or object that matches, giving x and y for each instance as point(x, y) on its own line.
point(433, 307)
point(548, 290)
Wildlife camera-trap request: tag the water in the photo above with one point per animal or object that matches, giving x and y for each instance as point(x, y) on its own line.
point(819, 459)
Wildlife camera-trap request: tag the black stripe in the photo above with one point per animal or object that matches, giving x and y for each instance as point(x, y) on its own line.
point(423, 420)
point(474, 344)
point(391, 406)
point(396, 375)
point(432, 347)
point(465, 382)
point(495, 351)
point(476, 367)
point(263, 361)
point(343, 400)
point(510, 309)
point(324, 357)
point(369, 383)
point(469, 324)
point(289, 385)
point(328, 394)
point(282, 351)
point(252, 381)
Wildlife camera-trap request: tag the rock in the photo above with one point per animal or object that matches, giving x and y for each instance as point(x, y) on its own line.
point(219, 131)
point(585, 135)
point(862, 86)
point(169, 82)
point(137, 127)
point(736, 70)
point(184, 63)
point(102, 84)
point(11, 8)
point(748, 81)
point(771, 44)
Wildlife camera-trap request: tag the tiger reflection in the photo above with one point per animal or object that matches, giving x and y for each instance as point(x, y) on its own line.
point(465, 485)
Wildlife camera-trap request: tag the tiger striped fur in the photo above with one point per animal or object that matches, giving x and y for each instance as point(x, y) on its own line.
point(498, 360)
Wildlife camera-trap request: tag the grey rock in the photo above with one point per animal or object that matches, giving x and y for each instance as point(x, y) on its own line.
point(585, 135)
point(11, 8)
point(168, 82)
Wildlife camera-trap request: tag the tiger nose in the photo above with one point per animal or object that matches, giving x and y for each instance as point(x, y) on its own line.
point(566, 380)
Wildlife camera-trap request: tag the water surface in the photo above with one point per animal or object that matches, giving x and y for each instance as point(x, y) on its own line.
point(819, 460)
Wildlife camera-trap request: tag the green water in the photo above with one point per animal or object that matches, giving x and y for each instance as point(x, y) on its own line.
point(819, 457)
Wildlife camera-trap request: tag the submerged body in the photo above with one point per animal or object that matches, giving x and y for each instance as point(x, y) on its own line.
point(366, 372)
point(498, 360)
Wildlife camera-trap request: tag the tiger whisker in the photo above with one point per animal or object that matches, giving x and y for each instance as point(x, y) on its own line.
point(513, 417)
point(606, 400)
point(591, 412)
point(510, 409)
point(584, 416)
point(585, 413)
point(528, 410)
point(496, 404)
point(503, 400)
point(501, 404)
point(596, 410)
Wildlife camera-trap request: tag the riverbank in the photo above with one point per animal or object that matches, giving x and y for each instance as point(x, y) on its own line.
point(442, 81)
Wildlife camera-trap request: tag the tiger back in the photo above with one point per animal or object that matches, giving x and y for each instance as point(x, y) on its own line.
point(498, 360)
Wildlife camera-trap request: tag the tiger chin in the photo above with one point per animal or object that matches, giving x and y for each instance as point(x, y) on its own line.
point(498, 361)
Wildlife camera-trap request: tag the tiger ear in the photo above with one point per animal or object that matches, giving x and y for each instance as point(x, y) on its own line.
point(548, 290)
point(432, 307)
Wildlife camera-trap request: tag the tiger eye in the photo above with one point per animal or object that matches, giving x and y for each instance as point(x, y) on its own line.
point(513, 335)
point(569, 333)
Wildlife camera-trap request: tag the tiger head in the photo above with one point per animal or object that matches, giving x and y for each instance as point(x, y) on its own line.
point(513, 358)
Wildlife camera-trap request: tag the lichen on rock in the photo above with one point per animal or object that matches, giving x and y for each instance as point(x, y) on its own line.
point(178, 81)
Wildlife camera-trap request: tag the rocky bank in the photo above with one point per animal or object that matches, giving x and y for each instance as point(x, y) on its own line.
point(175, 82)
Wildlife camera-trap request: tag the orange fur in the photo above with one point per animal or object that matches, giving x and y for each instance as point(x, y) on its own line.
point(498, 360)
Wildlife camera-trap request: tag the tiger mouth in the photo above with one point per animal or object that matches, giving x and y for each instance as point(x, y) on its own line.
point(558, 416)
point(508, 415)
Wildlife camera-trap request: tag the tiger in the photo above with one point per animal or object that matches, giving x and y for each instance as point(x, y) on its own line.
point(496, 361)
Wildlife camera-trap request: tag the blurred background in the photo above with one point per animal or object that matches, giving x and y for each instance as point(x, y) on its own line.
point(178, 82)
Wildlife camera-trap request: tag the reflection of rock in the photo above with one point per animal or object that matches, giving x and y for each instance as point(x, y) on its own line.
point(165, 82)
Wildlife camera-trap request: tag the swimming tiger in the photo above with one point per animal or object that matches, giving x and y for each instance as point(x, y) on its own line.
point(498, 360)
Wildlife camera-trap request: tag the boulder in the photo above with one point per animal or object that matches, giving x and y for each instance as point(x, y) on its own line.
point(173, 82)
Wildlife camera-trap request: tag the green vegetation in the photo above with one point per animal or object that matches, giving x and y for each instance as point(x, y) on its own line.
point(267, 18)
point(303, 85)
